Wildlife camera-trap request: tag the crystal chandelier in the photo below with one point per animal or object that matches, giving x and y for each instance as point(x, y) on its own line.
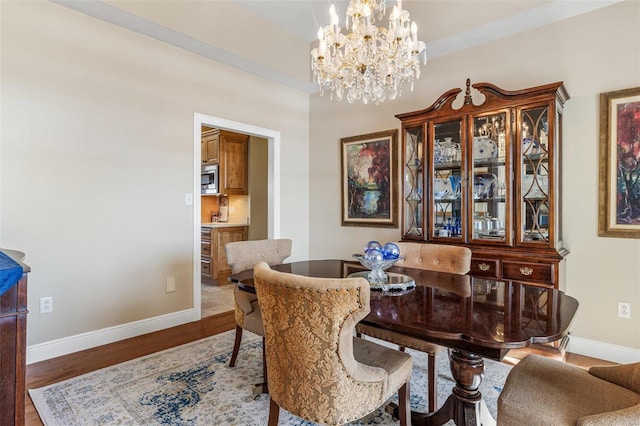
point(371, 63)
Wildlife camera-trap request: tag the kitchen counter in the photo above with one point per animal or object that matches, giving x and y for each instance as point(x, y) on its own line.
point(223, 224)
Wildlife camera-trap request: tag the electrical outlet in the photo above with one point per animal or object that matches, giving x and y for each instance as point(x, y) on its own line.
point(46, 305)
point(624, 310)
point(171, 284)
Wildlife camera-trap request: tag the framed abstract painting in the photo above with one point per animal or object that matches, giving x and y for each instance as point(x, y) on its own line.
point(370, 180)
point(619, 184)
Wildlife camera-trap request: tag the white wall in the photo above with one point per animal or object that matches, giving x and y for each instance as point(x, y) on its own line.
point(97, 155)
point(591, 53)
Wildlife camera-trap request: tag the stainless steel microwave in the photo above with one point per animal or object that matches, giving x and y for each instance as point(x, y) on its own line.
point(209, 180)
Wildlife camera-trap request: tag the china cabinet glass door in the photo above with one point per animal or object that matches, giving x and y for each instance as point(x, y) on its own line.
point(534, 194)
point(447, 182)
point(490, 179)
point(413, 182)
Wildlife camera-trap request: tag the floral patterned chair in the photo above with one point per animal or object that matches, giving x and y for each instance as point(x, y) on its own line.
point(241, 256)
point(317, 369)
point(432, 257)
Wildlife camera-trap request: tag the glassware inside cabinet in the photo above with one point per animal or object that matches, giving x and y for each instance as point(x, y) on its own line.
point(535, 174)
point(413, 181)
point(490, 183)
point(446, 185)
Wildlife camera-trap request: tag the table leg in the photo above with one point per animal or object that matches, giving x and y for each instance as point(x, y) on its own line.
point(465, 405)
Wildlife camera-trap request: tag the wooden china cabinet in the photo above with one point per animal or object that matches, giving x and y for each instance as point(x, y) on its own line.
point(487, 175)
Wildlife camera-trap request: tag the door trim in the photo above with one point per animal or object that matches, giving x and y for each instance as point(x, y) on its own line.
point(273, 185)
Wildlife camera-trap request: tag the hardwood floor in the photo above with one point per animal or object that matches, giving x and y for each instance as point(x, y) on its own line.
point(68, 366)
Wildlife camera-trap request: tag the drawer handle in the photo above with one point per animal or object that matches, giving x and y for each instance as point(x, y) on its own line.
point(526, 271)
point(484, 267)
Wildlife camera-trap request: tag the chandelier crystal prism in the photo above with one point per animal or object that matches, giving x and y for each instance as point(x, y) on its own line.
point(371, 63)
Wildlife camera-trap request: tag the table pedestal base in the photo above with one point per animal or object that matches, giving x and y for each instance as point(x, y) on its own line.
point(465, 405)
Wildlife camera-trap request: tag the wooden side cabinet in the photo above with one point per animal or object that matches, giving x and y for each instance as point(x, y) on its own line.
point(13, 343)
point(213, 258)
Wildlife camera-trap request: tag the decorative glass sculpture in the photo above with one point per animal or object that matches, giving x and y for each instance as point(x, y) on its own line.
point(377, 266)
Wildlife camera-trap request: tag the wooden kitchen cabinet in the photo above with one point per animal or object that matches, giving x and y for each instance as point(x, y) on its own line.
point(210, 146)
point(231, 151)
point(487, 175)
point(234, 163)
point(213, 258)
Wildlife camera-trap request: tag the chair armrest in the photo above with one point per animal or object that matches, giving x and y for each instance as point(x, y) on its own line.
point(629, 416)
point(244, 300)
point(626, 375)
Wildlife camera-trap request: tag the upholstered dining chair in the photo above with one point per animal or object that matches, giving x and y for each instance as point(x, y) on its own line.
point(547, 392)
point(244, 255)
point(432, 257)
point(316, 368)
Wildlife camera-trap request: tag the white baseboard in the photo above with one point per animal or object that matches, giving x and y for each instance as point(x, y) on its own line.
point(601, 350)
point(79, 342)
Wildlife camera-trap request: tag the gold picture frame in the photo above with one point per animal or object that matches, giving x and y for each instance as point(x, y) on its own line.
point(370, 179)
point(619, 184)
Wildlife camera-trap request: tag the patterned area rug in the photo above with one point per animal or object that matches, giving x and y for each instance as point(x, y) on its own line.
point(193, 385)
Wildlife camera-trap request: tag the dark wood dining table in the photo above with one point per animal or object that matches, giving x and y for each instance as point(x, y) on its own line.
point(474, 317)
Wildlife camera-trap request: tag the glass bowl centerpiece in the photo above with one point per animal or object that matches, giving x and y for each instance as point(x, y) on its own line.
point(378, 258)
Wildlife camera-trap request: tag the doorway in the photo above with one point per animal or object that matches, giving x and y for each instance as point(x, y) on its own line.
point(272, 138)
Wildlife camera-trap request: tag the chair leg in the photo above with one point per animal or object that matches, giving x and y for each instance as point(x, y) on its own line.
point(236, 346)
point(274, 413)
point(433, 377)
point(404, 410)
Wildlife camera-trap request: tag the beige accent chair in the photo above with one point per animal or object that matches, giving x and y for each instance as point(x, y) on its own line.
point(317, 369)
point(433, 257)
point(244, 255)
point(541, 391)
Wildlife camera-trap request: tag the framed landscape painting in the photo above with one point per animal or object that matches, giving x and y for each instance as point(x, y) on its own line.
point(370, 180)
point(619, 186)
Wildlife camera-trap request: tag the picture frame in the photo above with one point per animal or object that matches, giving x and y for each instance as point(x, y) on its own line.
point(370, 179)
point(619, 183)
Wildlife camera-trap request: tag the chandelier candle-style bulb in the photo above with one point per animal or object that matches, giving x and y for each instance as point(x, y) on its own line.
point(371, 63)
point(322, 46)
point(333, 16)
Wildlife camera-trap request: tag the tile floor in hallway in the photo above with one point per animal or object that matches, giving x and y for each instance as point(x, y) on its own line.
point(216, 299)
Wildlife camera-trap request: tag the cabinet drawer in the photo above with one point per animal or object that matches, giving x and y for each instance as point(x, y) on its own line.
point(205, 233)
point(205, 248)
point(520, 271)
point(205, 268)
point(485, 267)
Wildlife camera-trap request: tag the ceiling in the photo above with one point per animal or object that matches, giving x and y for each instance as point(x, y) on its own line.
point(249, 34)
